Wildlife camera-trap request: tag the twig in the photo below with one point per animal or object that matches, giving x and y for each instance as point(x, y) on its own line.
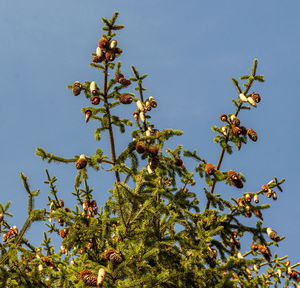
point(111, 135)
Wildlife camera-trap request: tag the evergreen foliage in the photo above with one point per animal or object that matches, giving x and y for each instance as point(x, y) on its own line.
point(152, 231)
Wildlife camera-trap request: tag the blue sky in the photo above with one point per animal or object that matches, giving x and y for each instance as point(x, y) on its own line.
point(190, 51)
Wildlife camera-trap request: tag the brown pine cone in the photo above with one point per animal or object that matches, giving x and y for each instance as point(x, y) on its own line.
point(81, 162)
point(257, 213)
point(236, 130)
point(265, 251)
point(153, 104)
point(256, 97)
point(235, 179)
point(136, 116)
point(119, 76)
point(118, 51)
point(76, 88)
point(47, 261)
point(63, 233)
point(244, 130)
point(124, 82)
point(254, 247)
point(140, 147)
point(61, 203)
point(223, 117)
point(113, 257)
point(103, 43)
point(236, 121)
point(154, 163)
point(88, 278)
point(88, 114)
point(125, 99)
point(110, 55)
point(95, 100)
point(209, 169)
point(178, 162)
point(252, 134)
point(153, 151)
point(273, 235)
point(98, 59)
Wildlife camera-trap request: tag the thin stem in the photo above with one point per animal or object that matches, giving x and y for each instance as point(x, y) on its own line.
point(295, 265)
point(140, 89)
point(142, 99)
point(111, 135)
point(107, 161)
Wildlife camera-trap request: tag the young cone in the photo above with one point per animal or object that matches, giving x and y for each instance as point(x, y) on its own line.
point(81, 162)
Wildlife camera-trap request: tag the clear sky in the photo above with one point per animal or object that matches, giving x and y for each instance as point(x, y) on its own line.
point(190, 51)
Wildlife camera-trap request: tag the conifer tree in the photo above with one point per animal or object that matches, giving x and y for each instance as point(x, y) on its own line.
point(152, 231)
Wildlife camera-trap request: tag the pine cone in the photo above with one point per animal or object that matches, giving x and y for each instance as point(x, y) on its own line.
point(136, 116)
point(243, 98)
point(81, 162)
point(252, 134)
point(103, 43)
point(254, 247)
point(118, 51)
point(235, 179)
point(240, 202)
point(119, 76)
point(209, 169)
point(251, 101)
point(47, 261)
point(236, 130)
point(101, 276)
point(95, 100)
point(63, 233)
point(273, 235)
point(154, 163)
point(113, 44)
point(113, 257)
point(265, 251)
point(76, 88)
point(244, 130)
point(125, 99)
point(124, 82)
point(61, 203)
point(153, 151)
point(256, 97)
point(93, 87)
point(88, 114)
point(236, 121)
point(248, 198)
point(88, 278)
point(140, 147)
point(223, 117)
point(294, 275)
point(257, 213)
point(178, 162)
point(110, 55)
point(98, 59)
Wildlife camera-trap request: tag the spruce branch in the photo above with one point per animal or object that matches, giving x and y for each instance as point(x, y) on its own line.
point(250, 82)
